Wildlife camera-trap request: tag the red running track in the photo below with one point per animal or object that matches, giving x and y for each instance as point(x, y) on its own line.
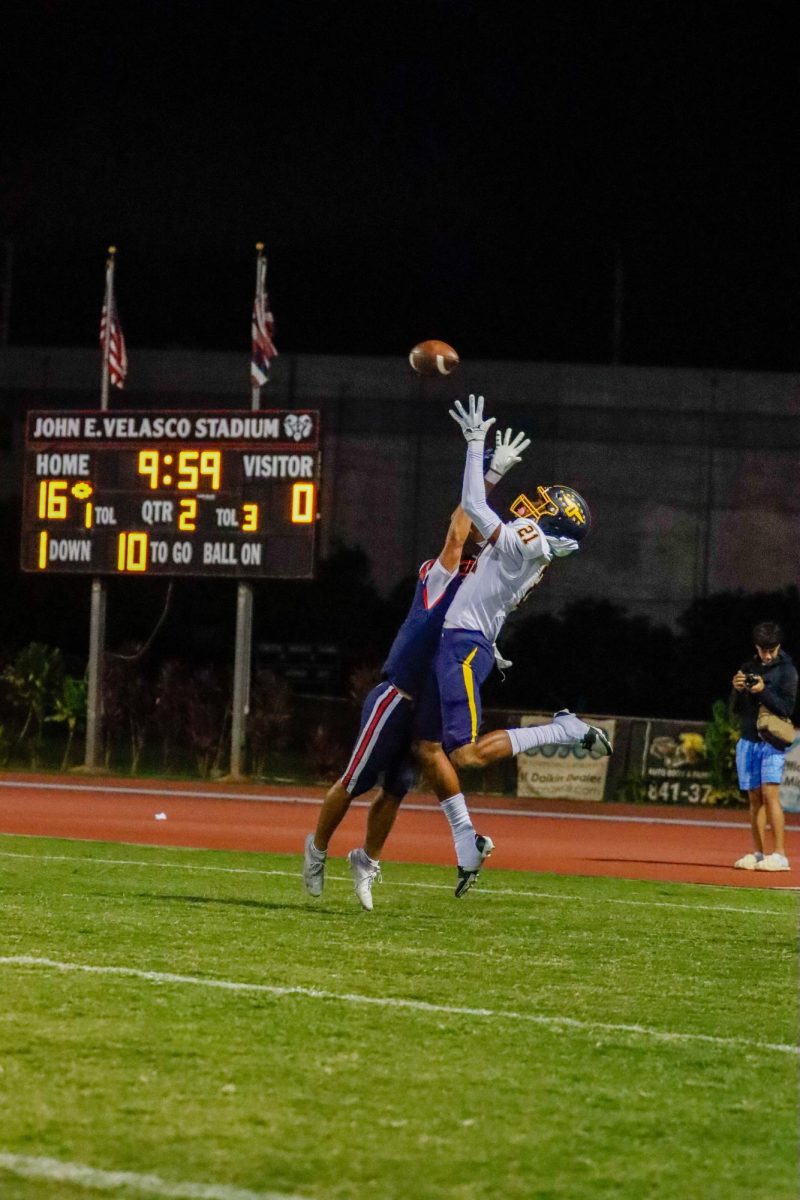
point(634, 842)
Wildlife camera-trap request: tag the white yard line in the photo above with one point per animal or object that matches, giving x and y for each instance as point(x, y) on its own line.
point(488, 891)
point(26, 1166)
point(396, 1002)
point(279, 798)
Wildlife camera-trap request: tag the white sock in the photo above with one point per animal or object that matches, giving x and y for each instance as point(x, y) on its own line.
point(537, 735)
point(317, 853)
point(455, 809)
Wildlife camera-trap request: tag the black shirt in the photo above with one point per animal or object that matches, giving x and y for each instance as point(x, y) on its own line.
point(779, 694)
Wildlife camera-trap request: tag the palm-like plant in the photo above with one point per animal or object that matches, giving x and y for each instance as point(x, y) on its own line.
point(721, 736)
point(70, 710)
point(34, 679)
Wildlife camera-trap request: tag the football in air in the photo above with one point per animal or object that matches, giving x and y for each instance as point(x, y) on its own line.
point(433, 358)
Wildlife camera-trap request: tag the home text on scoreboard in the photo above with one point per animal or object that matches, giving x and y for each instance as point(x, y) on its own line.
point(171, 493)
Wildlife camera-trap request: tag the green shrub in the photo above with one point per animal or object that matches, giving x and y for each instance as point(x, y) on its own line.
point(722, 734)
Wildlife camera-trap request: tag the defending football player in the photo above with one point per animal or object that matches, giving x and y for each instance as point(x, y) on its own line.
point(383, 749)
point(513, 561)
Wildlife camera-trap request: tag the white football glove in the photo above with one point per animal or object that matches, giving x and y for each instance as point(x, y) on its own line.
point(508, 451)
point(472, 423)
point(502, 663)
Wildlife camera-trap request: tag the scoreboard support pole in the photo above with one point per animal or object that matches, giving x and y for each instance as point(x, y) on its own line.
point(94, 690)
point(242, 661)
point(97, 611)
point(243, 643)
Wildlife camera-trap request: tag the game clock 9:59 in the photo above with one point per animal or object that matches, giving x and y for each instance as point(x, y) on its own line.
point(186, 470)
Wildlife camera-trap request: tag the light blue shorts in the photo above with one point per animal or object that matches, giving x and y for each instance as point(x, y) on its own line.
point(757, 763)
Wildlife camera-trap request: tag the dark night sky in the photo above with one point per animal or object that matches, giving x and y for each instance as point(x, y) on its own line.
point(416, 170)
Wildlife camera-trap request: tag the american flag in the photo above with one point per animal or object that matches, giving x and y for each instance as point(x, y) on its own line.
point(262, 327)
point(112, 341)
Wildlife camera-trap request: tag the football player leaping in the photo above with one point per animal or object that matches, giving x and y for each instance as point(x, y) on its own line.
point(393, 710)
point(511, 564)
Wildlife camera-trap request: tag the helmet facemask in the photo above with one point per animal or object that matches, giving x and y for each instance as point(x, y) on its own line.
point(523, 507)
point(558, 511)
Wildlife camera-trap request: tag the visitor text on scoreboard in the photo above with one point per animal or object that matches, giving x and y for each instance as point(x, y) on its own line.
point(171, 493)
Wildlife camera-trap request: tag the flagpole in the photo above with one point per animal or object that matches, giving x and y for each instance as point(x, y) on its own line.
point(97, 613)
point(261, 285)
point(109, 308)
point(617, 306)
point(243, 645)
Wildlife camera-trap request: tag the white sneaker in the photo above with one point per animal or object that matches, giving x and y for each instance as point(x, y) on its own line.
point(313, 867)
point(364, 872)
point(588, 736)
point(773, 862)
point(749, 862)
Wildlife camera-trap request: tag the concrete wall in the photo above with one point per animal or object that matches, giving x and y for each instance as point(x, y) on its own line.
point(692, 476)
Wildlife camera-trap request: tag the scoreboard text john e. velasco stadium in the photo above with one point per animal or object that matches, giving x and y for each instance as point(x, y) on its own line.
point(171, 493)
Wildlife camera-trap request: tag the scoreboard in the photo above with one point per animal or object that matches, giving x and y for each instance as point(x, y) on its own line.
point(124, 492)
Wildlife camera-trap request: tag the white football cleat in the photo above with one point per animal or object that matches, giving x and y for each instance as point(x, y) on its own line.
point(574, 726)
point(467, 875)
point(590, 737)
point(364, 872)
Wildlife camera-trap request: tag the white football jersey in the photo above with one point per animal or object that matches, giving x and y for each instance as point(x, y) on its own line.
point(504, 574)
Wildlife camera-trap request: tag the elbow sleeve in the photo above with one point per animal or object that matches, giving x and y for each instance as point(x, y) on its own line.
point(484, 518)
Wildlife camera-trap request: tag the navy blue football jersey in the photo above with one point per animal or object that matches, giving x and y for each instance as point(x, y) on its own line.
point(412, 652)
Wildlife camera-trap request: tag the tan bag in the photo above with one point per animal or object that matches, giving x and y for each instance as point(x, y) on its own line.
point(775, 730)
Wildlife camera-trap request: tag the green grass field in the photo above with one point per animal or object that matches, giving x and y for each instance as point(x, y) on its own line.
point(543, 1038)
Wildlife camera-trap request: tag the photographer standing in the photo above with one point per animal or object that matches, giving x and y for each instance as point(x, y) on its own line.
point(769, 679)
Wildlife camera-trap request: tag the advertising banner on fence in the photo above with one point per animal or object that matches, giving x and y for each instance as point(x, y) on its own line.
point(672, 764)
point(790, 787)
point(562, 772)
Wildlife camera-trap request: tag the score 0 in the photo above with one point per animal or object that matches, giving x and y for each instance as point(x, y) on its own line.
point(302, 511)
point(302, 503)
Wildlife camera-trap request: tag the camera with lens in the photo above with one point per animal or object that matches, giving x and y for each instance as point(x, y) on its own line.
point(751, 680)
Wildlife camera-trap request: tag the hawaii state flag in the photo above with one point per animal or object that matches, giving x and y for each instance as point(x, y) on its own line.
point(262, 328)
